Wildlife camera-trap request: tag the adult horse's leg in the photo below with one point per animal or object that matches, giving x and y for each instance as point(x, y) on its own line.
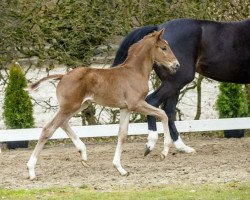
point(122, 135)
point(47, 132)
point(167, 93)
point(169, 107)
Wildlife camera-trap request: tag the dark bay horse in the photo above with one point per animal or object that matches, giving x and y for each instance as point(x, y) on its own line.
point(124, 87)
point(217, 50)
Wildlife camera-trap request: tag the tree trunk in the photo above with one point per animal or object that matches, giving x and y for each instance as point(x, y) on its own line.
point(198, 110)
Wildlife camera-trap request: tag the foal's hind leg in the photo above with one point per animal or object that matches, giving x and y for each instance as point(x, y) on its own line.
point(81, 147)
point(47, 132)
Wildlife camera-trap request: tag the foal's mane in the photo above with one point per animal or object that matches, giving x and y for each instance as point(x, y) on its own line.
point(136, 47)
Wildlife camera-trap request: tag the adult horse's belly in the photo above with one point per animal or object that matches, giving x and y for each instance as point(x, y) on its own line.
point(225, 72)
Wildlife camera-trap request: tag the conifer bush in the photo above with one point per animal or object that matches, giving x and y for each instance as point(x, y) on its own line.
point(17, 106)
point(232, 102)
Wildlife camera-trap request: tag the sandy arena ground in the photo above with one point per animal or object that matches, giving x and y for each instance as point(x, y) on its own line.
point(217, 160)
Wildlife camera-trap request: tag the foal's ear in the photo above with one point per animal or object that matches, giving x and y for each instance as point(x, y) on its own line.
point(160, 33)
point(157, 34)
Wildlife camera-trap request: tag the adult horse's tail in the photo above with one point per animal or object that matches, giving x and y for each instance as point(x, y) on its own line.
point(130, 39)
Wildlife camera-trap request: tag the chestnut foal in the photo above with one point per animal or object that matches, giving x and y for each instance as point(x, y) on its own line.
point(124, 87)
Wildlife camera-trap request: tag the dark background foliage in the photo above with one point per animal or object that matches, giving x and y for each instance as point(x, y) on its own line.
point(68, 32)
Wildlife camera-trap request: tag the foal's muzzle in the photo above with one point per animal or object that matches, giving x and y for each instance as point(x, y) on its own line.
point(175, 65)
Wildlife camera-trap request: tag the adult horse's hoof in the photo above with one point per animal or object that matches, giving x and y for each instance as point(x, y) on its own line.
point(191, 150)
point(147, 151)
point(186, 149)
point(180, 146)
point(84, 163)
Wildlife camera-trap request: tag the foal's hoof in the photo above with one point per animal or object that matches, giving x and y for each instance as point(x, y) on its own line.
point(125, 174)
point(163, 156)
point(147, 151)
point(32, 178)
point(84, 163)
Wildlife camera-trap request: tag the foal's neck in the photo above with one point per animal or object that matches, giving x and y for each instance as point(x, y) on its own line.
point(140, 59)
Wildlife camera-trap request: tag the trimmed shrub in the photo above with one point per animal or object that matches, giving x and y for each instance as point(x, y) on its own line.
point(17, 107)
point(232, 102)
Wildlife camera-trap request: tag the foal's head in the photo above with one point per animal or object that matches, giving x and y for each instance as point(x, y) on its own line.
point(162, 54)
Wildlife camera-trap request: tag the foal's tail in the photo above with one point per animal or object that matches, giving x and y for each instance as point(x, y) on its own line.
point(35, 85)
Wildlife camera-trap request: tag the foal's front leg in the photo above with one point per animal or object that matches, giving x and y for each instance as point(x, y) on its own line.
point(122, 135)
point(145, 108)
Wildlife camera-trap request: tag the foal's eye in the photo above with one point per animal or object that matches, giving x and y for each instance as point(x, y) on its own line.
point(164, 48)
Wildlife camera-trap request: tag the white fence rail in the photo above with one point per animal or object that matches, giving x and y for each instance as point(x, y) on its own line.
point(134, 129)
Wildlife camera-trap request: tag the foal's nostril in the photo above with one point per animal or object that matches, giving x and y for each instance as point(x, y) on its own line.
point(176, 64)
